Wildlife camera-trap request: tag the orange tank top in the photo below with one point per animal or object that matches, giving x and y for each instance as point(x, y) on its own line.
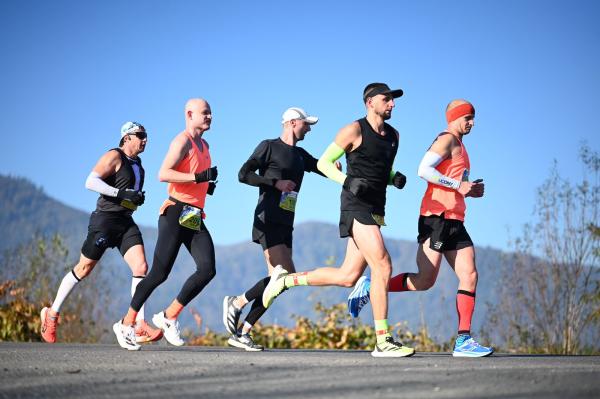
point(190, 193)
point(439, 199)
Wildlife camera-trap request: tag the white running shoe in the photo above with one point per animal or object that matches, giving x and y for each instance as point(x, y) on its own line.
point(231, 314)
point(170, 328)
point(126, 336)
point(245, 341)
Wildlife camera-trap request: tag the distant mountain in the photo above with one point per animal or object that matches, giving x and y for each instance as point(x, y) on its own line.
point(26, 209)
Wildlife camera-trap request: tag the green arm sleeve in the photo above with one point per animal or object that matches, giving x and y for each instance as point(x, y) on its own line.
point(327, 160)
point(392, 174)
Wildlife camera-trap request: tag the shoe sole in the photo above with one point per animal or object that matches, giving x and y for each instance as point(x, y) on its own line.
point(357, 285)
point(43, 317)
point(462, 354)
point(274, 277)
point(237, 344)
point(157, 322)
point(225, 314)
point(122, 343)
point(392, 354)
point(355, 292)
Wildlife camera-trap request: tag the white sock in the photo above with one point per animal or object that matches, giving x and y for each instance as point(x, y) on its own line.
point(135, 280)
point(240, 301)
point(66, 286)
point(246, 327)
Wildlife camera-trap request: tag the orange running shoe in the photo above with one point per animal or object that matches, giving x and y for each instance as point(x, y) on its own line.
point(144, 333)
point(48, 324)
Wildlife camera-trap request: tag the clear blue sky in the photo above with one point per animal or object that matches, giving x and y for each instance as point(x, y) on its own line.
point(73, 71)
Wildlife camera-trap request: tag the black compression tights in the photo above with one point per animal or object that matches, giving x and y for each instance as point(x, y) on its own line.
point(255, 294)
point(170, 237)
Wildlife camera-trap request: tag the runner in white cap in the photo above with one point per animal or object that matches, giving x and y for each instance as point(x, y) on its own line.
point(281, 165)
point(119, 179)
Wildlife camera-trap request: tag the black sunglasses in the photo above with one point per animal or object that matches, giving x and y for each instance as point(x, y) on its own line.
point(139, 135)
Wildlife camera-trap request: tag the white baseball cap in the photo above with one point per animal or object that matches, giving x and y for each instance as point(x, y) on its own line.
point(131, 128)
point(298, 113)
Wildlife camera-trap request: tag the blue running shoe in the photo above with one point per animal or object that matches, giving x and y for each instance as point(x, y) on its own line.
point(359, 296)
point(465, 346)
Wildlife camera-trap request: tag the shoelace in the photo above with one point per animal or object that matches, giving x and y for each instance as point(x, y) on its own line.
point(50, 324)
point(175, 327)
point(143, 330)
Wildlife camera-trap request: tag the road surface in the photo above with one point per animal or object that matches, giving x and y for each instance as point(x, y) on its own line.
point(160, 371)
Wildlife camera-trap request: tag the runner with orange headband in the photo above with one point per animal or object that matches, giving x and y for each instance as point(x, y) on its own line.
point(187, 169)
point(446, 168)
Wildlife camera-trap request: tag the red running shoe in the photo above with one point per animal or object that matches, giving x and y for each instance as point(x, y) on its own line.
point(48, 324)
point(144, 333)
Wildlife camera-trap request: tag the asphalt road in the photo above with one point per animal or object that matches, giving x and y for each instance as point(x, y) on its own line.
point(160, 371)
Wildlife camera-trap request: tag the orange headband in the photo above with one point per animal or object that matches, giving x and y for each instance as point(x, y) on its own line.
point(461, 110)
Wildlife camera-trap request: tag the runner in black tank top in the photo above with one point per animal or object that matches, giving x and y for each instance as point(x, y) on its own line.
point(372, 160)
point(119, 179)
point(281, 166)
point(370, 146)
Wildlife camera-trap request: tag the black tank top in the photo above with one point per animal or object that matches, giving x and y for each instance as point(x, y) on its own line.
point(372, 160)
point(124, 178)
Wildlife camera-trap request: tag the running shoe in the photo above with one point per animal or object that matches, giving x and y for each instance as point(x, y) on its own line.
point(48, 326)
point(275, 286)
point(391, 348)
point(126, 336)
point(359, 296)
point(145, 333)
point(246, 342)
point(231, 314)
point(465, 346)
point(170, 328)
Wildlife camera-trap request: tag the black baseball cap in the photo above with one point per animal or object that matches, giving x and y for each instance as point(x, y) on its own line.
point(374, 89)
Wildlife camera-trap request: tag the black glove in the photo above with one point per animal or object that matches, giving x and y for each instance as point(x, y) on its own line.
point(356, 185)
point(133, 196)
point(207, 175)
point(399, 180)
point(211, 187)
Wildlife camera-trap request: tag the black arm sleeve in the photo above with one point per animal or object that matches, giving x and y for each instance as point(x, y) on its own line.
point(247, 173)
point(310, 163)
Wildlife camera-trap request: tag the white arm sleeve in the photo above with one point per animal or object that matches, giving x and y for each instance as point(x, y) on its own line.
point(428, 171)
point(95, 183)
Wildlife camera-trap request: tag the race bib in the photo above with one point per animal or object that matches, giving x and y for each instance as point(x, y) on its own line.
point(191, 217)
point(378, 219)
point(128, 204)
point(288, 201)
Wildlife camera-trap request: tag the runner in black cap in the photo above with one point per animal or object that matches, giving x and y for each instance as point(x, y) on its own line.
point(370, 146)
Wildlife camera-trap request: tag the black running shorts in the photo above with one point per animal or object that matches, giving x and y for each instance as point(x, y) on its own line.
point(444, 234)
point(270, 234)
point(109, 230)
point(347, 218)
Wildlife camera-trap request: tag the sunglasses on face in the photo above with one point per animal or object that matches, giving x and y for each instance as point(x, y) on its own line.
point(139, 135)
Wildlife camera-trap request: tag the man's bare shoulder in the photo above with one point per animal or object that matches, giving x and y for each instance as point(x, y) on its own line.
point(110, 156)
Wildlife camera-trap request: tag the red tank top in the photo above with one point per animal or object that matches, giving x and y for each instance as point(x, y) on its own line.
point(439, 199)
point(191, 193)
